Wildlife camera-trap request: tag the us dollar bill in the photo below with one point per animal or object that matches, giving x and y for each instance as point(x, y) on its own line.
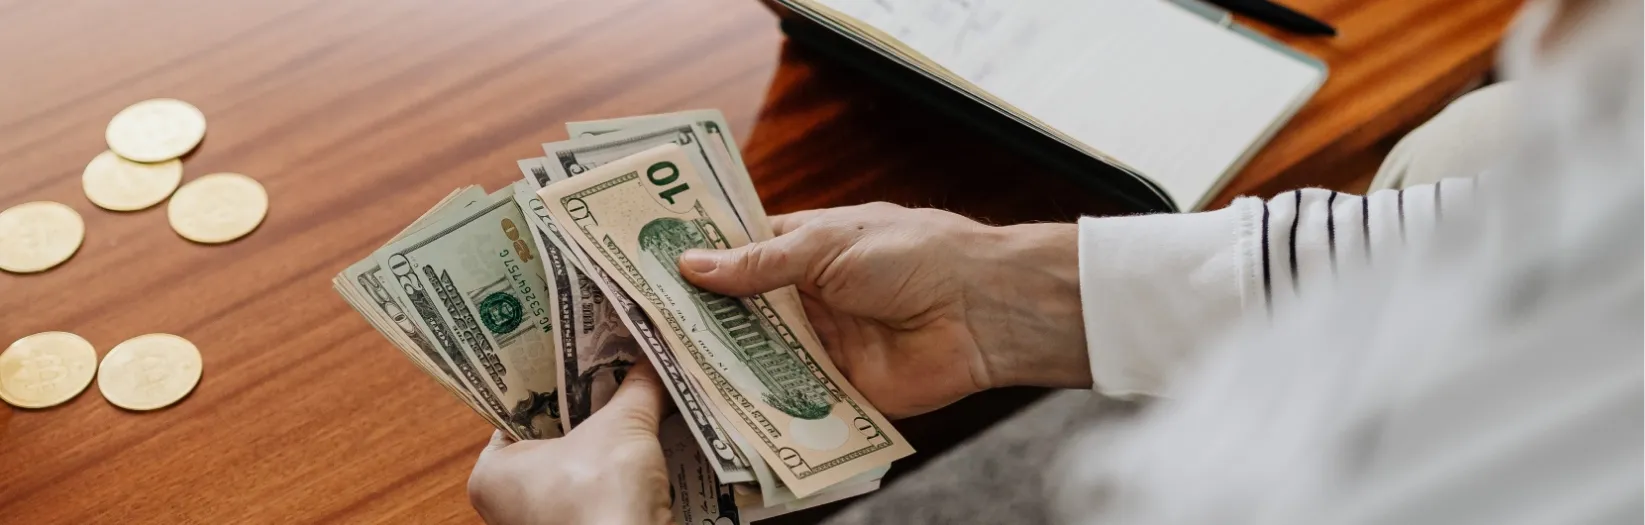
point(723, 154)
point(603, 354)
point(579, 155)
point(474, 281)
point(633, 217)
point(596, 350)
point(698, 495)
point(560, 277)
point(361, 285)
point(724, 158)
point(758, 511)
point(723, 151)
point(600, 142)
point(730, 464)
point(536, 178)
point(362, 281)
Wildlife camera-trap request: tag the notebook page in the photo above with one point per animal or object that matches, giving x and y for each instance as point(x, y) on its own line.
point(1170, 94)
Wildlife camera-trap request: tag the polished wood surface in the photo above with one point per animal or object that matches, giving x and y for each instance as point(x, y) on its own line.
point(357, 115)
point(1393, 64)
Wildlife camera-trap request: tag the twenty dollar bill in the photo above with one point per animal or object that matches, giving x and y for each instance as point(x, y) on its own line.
point(476, 288)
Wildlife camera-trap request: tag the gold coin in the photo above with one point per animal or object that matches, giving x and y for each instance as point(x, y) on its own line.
point(149, 371)
point(46, 369)
point(35, 236)
point(219, 207)
point(114, 183)
point(156, 129)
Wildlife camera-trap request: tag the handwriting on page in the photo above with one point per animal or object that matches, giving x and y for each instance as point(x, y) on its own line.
point(942, 30)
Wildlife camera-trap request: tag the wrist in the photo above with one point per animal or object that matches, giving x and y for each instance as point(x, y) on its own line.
point(1027, 299)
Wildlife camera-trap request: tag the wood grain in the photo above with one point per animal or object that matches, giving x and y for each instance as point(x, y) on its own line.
point(1393, 64)
point(357, 115)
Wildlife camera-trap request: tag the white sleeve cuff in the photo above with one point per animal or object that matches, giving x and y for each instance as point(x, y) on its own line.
point(1155, 287)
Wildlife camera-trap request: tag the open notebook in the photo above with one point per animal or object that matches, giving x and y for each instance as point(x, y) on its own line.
point(1170, 94)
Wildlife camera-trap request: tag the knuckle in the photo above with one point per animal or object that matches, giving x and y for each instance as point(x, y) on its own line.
point(759, 257)
point(635, 380)
point(937, 216)
point(883, 207)
point(938, 225)
point(631, 417)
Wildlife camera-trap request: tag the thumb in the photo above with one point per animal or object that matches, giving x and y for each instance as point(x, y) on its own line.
point(498, 441)
point(754, 268)
point(637, 405)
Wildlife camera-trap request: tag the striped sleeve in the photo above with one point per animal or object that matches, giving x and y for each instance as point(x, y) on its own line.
point(1155, 287)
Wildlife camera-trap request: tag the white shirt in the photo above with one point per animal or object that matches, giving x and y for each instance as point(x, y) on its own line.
point(1445, 354)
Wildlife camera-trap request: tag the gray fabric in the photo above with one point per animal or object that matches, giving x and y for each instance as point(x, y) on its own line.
point(998, 476)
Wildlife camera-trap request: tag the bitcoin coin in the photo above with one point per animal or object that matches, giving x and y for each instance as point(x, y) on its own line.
point(46, 369)
point(35, 236)
point(217, 208)
point(149, 372)
point(155, 130)
point(114, 183)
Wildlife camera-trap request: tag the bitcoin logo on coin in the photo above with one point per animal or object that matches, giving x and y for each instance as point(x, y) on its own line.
point(46, 369)
point(155, 130)
point(217, 208)
point(35, 236)
point(114, 183)
point(149, 372)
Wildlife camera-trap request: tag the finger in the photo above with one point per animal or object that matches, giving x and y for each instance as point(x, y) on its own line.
point(760, 267)
point(637, 405)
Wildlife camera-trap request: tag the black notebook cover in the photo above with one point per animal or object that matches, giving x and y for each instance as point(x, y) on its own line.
point(1135, 192)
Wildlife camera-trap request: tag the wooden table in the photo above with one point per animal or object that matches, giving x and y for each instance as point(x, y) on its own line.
point(357, 115)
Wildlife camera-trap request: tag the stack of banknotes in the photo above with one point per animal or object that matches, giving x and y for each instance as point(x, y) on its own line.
point(531, 302)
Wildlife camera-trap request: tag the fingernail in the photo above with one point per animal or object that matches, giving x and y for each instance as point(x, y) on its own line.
point(699, 261)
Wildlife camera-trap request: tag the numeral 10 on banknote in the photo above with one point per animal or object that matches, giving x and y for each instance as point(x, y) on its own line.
point(771, 380)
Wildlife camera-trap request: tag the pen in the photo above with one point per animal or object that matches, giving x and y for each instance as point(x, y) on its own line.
point(1278, 16)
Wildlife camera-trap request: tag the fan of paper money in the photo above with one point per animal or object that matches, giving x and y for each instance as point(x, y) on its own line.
point(530, 303)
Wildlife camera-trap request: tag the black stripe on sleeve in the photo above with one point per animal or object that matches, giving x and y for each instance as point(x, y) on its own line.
point(1331, 230)
point(1400, 196)
point(1365, 224)
point(1439, 209)
point(1267, 284)
point(1296, 219)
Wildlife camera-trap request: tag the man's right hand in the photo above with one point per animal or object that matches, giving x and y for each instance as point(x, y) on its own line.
point(921, 307)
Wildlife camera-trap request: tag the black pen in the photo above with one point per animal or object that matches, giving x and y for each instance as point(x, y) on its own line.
point(1278, 16)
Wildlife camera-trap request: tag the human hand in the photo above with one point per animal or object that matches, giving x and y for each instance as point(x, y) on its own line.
point(607, 470)
point(921, 307)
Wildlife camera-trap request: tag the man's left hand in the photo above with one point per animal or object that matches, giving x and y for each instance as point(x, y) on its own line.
point(607, 470)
